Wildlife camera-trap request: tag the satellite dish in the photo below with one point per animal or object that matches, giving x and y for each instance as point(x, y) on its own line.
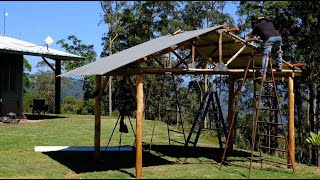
point(49, 40)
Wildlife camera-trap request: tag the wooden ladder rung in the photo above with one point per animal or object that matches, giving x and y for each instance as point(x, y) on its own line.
point(272, 136)
point(265, 108)
point(176, 141)
point(272, 123)
point(265, 147)
point(179, 132)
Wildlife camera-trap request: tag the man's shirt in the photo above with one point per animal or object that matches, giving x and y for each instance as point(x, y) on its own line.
point(265, 30)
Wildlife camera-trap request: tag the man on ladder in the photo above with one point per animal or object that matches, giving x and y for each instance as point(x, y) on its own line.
point(271, 38)
point(265, 29)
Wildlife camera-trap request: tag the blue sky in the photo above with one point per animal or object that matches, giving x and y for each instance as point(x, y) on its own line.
point(33, 21)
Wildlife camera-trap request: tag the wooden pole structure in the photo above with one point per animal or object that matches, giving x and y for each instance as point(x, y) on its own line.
point(57, 82)
point(169, 60)
point(291, 140)
point(140, 110)
point(193, 56)
point(97, 122)
point(230, 113)
point(220, 47)
point(205, 77)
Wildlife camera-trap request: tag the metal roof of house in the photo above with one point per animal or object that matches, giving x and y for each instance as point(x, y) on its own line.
point(135, 53)
point(16, 46)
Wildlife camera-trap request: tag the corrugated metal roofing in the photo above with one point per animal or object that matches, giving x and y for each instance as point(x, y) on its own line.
point(135, 53)
point(12, 45)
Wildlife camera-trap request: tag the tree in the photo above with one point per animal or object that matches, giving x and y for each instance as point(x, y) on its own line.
point(27, 98)
point(75, 46)
point(112, 17)
point(314, 139)
point(308, 49)
point(43, 85)
point(203, 14)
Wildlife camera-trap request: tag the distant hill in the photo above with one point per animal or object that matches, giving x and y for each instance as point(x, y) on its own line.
point(74, 88)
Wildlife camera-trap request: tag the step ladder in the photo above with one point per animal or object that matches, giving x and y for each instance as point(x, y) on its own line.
point(210, 106)
point(268, 122)
point(172, 110)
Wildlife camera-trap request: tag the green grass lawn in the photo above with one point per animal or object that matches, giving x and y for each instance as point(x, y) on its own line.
point(19, 160)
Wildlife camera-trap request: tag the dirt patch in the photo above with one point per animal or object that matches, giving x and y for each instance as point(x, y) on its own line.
point(71, 175)
point(317, 171)
point(21, 122)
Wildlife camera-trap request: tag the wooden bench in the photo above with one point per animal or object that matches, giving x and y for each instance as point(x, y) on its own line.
point(39, 107)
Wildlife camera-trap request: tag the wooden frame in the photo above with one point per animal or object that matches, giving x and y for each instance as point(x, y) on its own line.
point(138, 93)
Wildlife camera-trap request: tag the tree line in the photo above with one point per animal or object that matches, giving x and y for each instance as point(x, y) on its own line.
point(130, 23)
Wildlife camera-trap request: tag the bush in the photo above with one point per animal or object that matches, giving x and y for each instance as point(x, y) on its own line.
point(115, 113)
point(27, 100)
point(314, 139)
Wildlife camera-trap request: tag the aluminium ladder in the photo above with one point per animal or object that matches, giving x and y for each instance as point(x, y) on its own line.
point(210, 106)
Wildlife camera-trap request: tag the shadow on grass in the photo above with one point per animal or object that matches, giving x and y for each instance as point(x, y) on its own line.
point(82, 161)
point(42, 117)
point(205, 152)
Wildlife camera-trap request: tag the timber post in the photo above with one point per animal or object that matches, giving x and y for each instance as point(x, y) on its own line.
point(220, 47)
point(57, 83)
point(140, 112)
point(291, 140)
point(97, 122)
point(230, 113)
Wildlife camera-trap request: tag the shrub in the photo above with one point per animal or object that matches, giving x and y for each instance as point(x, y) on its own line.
point(314, 139)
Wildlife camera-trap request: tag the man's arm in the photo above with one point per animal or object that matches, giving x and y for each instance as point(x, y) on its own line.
point(251, 38)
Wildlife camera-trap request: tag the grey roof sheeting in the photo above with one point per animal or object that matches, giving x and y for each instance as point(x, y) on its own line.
point(16, 46)
point(135, 53)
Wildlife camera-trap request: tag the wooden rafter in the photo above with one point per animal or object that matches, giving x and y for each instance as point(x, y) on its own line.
point(180, 58)
point(235, 55)
point(204, 56)
point(214, 44)
point(239, 72)
point(183, 61)
point(158, 61)
point(213, 51)
point(240, 39)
